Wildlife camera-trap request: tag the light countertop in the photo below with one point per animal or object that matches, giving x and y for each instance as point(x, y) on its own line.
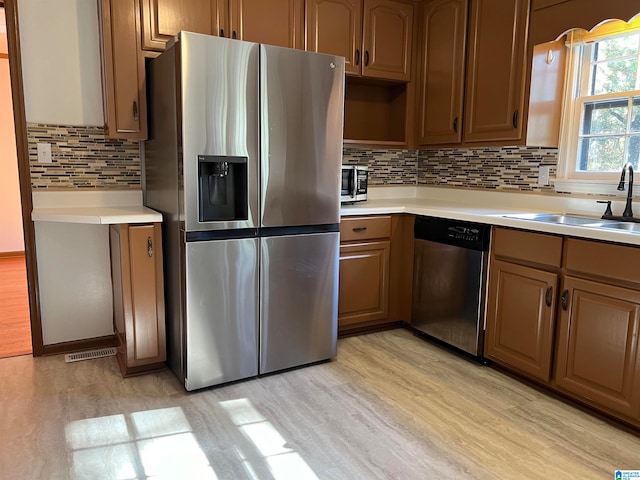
point(486, 207)
point(96, 208)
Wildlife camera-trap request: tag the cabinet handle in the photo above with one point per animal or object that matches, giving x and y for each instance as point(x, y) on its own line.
point(549, 296)
point(366, 58)
point(234, 35)
point(135, 110)
point(455, 125)
point(222, 32)
point(515, 119)
point(359, 229)
point(357, 56)
point(149, 247)
point(564, 299)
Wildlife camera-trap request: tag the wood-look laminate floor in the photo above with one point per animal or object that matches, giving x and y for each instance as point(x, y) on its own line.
point(391, 406)
point(15, 328)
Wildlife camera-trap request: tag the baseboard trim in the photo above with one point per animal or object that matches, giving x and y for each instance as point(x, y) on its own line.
point(12, 254)
point(79, 345)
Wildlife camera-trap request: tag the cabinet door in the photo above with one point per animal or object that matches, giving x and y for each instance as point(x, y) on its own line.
point(335, 27)
point(139, 320)
point(387, 38)
point(495, 64)
point(163, 19)
point(274, 22)
point(443, 49)
point(363, 294)
point(520, 318)
point(597, 355)
point(123, 70)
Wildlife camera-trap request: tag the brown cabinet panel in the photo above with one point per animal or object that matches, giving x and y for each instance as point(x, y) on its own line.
point(163, 19)
point(138, 293)
point(444, 24)
point(495, 70)
point(335, 27)
point(364, 228)
point(274, 22)
point(529, 247)
point(123, 70)
point(520, 318)
point(597, 357)
point(364, 283)
point(387, 39)
point(617, 262)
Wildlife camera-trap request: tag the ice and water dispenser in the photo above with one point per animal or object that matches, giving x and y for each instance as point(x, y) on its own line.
point(222, 188)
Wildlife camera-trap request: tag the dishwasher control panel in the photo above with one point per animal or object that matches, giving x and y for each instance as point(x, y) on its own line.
point(474, 236)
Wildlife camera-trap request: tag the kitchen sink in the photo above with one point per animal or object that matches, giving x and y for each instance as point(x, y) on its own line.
point(562, 219)
point(627, 226)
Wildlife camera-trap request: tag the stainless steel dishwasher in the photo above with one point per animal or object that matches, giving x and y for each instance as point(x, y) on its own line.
point(449, 278)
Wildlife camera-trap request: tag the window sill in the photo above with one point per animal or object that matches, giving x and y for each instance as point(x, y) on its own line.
point(595, 187)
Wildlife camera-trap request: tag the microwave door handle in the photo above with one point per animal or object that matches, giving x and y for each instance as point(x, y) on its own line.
point(354, 182)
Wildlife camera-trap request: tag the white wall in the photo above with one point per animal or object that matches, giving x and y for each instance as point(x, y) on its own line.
point(60, 48)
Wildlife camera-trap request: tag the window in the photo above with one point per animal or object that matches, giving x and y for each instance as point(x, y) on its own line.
point(601, 129)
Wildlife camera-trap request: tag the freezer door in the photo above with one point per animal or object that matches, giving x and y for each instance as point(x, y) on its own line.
point(219, 89)
point(221, 311)
point(301, 108)
point(299, 300)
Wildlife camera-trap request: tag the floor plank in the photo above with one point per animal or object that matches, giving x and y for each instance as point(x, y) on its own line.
point(15, 328)
point(390, 406)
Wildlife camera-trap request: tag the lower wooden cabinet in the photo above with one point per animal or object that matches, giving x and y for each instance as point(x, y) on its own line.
point(138, 297)
point(597, 357)
point(521, 316)
point(364, 283)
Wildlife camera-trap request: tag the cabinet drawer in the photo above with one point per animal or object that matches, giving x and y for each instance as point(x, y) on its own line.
point(617, 262)
point(530, 247)
point(364, 228)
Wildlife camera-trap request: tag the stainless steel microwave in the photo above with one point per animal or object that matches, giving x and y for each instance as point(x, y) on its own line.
point(354, 183)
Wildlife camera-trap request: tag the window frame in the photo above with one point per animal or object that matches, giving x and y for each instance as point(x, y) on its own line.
point(579, 63)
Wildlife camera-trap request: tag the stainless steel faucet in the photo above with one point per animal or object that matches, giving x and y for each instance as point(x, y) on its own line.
point(628, 212)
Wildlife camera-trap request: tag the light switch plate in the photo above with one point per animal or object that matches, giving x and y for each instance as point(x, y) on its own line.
point(44, 153)
point(543, 175)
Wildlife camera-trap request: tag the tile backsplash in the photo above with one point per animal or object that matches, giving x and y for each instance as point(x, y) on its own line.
point(497, 168)
point(82, 157)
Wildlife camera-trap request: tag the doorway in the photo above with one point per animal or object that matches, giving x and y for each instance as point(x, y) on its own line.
point(15, 322)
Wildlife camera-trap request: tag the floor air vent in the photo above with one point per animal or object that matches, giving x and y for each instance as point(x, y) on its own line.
point(90, 354)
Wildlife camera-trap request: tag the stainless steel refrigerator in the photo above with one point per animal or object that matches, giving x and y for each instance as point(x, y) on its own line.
point(243, 160)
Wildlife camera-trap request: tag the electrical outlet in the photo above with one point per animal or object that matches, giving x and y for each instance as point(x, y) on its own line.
point(543, 175)
point(44, 153)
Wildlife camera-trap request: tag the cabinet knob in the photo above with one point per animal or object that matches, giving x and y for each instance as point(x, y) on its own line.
point(357, 56)
point(234, 35)
point(149, 247)
point(359, 229)
point(366, 58)
point(135, 110)
point(549, 296)
point(515, 119)
point(455, 125)
point(222, 32)
point(564, 299)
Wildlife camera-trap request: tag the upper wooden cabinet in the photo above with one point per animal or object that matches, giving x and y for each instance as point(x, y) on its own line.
point(444, 29)
point(374, 36)
point(274, 22)
point(123, 70)
point(495, 82)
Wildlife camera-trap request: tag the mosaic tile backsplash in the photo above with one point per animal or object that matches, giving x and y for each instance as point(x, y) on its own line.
point(386, 167)
point(82, 158)
point(498, 168)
